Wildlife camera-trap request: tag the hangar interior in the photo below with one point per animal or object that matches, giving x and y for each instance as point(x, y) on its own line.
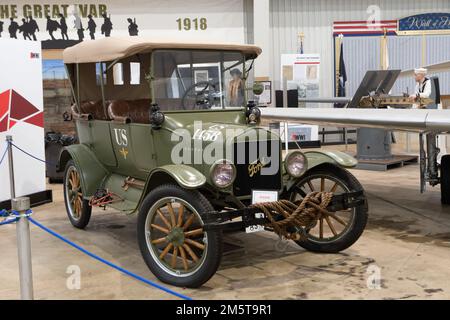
point(345, 99)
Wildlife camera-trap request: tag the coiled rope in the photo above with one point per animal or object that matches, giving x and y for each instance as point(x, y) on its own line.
point(303, 215)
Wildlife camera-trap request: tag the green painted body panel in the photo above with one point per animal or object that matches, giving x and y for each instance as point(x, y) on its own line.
point(318, 157)
point(101, 142)
point(184, 175)
point(92, 171)
point(132, 195)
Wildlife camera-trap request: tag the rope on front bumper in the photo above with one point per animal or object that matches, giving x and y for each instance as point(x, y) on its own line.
point(297, 216)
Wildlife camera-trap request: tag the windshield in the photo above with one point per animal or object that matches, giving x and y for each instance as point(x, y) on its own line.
point(196, 80)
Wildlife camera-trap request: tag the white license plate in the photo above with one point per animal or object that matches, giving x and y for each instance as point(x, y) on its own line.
point(257, 197)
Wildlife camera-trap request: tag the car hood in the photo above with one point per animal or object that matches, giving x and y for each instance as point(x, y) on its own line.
point(228, 132)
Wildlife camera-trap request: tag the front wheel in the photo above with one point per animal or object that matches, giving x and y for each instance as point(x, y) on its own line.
point(172, 240)
point(78, 209)
point(335, 232)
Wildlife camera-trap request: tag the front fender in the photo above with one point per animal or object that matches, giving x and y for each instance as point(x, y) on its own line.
point(342, 159)
point(92, 172)
point(185, 176)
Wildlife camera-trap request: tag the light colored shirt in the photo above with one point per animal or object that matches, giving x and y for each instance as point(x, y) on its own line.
point(423, 89)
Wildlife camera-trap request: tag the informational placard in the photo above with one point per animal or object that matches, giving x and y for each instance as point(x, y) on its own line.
point(21, 115)
point(300, 133)
point(265, 98)
point(296, 132)
point(59, 24)
point(301, 72)
point(259, 196)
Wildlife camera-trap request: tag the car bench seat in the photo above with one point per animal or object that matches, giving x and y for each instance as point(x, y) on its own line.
point(90, 110)
point(130, 111)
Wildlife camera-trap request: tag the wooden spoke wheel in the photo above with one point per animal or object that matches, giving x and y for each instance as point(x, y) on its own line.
point(78, 209)
point(172, 239)
point(328, 226)
point(340, 229)
point(176, 235)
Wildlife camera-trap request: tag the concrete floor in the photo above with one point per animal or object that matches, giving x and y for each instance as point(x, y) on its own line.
point(407, 237)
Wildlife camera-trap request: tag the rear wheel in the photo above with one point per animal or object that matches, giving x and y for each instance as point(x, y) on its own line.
point(445, 179)
point(340, 230)
point(172, 240)
point(78, 209)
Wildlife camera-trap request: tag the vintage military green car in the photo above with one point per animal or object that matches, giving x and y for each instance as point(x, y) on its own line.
point(166, 129)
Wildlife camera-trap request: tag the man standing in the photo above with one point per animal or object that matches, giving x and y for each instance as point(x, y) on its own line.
point(12, 29)
point(107, 25)
point(52, 26)
point(1, 28)
point(25, 29)
point(236, 89)
point(79, 26)
point(132, 27)
point(33, 27)
point(423, 86)
point(91, 27)
point(63, 26)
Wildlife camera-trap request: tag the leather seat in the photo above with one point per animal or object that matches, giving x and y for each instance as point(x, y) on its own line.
point(95, 109)
point(134, 111)
point(91, 110)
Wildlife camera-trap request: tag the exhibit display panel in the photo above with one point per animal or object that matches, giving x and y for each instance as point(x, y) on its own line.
point(21, 115)
point(59, 24)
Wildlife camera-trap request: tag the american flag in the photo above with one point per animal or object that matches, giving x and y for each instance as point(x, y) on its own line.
point(361, 28)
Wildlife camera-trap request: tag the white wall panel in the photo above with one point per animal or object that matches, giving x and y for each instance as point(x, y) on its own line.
point(438, 50)
point(360, 54)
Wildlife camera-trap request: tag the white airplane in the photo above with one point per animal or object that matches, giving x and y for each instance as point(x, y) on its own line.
point(373, 91)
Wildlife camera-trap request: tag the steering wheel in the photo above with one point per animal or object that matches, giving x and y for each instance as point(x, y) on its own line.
point(203, 97)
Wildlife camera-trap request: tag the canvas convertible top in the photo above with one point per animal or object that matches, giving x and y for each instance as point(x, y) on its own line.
point(109, 49)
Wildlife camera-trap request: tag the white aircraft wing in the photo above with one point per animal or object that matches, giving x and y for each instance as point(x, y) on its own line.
point(432, 68)
point(418, 120)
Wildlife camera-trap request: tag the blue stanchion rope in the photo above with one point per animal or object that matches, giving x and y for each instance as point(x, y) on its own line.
point(15, 214)
point(112, 265)
point(8, 221)
point(4, 154)
point(32, 156)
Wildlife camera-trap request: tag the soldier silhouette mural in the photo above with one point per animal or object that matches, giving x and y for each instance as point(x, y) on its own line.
point(91, 27)
point(13, 28)
point(107, 25)
point(25, 30)
point(63, 26)
point(132, 27)
point(52, 26)
point(32, 27)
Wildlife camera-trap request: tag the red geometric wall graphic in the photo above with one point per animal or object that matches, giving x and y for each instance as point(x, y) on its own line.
point(20, 110)
point(4, 124)
point(4, 103)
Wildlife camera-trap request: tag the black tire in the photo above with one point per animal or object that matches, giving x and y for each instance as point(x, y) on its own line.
point(356, 226)
point(445, 179)
point(84, 215)
point(212, 254)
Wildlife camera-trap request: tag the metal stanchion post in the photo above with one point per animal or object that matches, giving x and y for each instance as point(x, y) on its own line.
point(345, 139)
point(286, 125)
point(21, 205)
point(12, 186)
